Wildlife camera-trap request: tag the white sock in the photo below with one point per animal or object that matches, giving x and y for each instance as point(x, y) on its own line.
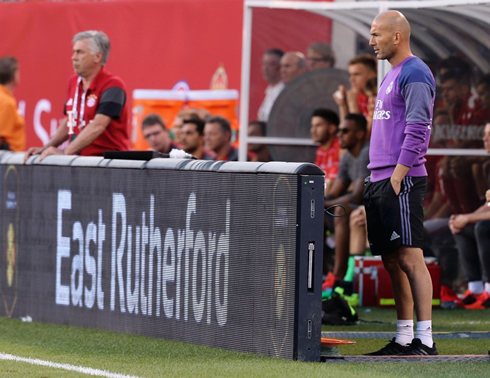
point(424, 332)
point(487, 287)
point(404, 332)
point(476, 287)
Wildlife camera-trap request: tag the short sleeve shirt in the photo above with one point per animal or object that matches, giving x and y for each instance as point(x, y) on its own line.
point(328, 159)
point(363, 104)
point(353, 168)
point(106, 95)
point(12, 126)
point(468, 108)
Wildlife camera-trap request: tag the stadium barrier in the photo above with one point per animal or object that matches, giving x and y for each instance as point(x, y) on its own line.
point(223, 254)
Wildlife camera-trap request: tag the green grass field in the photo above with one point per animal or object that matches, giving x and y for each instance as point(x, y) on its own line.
point(146, 357)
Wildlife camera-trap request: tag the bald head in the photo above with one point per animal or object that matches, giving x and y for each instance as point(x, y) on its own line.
point(390, 36)
point(394, 21)
point(293, 64)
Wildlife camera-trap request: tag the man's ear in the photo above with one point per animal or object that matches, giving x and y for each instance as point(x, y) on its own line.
point(397, 38)
point(98, 57)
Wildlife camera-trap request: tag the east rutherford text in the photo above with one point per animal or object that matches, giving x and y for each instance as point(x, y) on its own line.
point(132, 285)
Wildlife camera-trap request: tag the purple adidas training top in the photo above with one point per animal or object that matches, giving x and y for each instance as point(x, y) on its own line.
point(402, 120)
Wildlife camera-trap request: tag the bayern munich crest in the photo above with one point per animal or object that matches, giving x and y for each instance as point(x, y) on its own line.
point(91, 100)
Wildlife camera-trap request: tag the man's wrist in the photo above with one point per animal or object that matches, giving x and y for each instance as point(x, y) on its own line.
point(396, 180)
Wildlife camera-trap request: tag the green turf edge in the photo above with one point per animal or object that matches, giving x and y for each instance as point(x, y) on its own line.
point(146, 357)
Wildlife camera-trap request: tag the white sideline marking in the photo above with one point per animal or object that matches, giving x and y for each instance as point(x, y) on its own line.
point(79, 369)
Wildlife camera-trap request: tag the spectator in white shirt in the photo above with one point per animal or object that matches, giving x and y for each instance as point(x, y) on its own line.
point(271, 72)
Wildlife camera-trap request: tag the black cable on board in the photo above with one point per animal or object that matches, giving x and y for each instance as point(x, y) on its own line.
point(329, 209)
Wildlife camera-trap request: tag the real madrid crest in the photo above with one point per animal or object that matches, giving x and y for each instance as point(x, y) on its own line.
point(390, 87)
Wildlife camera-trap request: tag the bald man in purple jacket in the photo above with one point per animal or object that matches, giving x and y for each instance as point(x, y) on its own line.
point(394, 194)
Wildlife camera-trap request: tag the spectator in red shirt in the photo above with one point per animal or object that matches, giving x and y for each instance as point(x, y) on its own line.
point(324, 124)
point(361, 68)
point(193, 139)
point(217, 138)
point(178, 123)
point(96, 108)
point(258, 152)
point(482, 115)
point(458, 100)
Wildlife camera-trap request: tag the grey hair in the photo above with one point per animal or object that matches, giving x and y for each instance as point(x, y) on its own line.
point(99, 43)
point(324, 50)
